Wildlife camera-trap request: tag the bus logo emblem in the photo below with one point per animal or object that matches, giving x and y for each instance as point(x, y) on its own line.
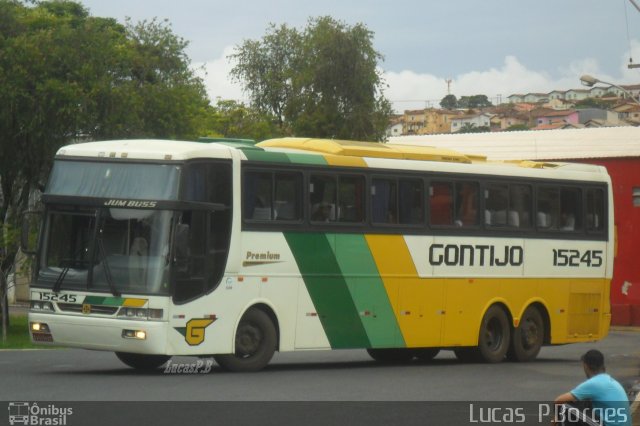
point(86, 309)
point(194, 331)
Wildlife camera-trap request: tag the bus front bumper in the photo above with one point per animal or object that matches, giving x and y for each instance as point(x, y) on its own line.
point(106, 334)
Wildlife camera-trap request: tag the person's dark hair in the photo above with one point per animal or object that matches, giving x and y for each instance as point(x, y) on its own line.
point(594, 360)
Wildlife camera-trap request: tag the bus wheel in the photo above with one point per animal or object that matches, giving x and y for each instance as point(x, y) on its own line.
point(141, 361)
point(527, 337)
point(392, 355)
point(426, 354)
point(493, 341)
point(256, 340)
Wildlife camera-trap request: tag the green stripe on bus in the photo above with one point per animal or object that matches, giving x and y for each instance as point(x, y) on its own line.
point(253, 154)
point(316, 160)
point(367, 290)
point(258, 154)
point(328, 290)
point(105, 301)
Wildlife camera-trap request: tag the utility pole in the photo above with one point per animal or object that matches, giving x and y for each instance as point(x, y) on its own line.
point(448, 81)
point(631, 64)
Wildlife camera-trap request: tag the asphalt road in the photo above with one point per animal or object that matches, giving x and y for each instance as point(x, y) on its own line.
point(346, 375)
point(69, 375)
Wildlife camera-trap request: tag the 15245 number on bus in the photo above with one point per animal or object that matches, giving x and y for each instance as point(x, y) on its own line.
point(577, 258)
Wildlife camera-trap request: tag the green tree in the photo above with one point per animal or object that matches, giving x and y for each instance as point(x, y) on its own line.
point(449, 102)
point(323, 81)
point(67, 76)
point(231, 119)
point(475, 101)
point(266, 67)
point(472, 128)
point(593, 103)
point(516, 128)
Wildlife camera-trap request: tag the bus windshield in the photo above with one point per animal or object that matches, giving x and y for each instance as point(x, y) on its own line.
point(108, 250)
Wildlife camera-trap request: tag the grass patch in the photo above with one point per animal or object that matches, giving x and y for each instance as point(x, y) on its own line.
point(18, 334)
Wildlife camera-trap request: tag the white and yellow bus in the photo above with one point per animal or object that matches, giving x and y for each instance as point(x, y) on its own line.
point(154, 248)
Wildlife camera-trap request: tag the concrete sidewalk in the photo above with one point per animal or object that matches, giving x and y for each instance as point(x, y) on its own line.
point(625, 328)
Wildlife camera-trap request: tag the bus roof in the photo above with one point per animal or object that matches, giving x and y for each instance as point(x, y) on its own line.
point(146, 149)
point(367, 149)
point(320, 152)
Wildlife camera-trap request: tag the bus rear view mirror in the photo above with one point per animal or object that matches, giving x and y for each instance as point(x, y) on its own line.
point(31, 221)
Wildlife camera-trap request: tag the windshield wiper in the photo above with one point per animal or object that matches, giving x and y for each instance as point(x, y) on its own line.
point(107, 270)
point(60, 279)
point(58, 284)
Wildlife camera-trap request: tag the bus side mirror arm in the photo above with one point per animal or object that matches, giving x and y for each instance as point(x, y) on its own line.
point(26, 238)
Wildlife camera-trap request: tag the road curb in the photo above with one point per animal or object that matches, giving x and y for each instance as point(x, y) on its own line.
point(627, 328)
point(635, 411)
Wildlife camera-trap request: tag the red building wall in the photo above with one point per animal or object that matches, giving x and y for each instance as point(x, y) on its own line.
point(625, 286)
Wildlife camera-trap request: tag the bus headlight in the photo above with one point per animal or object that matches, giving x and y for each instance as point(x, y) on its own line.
point(140, 313)
point(134, 334)
point(39, 327)
point(41, 306)
point(40, 332)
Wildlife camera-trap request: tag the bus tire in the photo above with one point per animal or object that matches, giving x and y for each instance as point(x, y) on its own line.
point(528, 337)
point(495, 332)
point(426, 354)
point(391, 355)
point(143, 362)
point(256, 340)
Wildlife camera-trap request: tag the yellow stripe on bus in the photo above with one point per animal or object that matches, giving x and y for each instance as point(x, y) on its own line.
point(417, 306)
point(134, 303)
point(442, 311)
point(336, 160)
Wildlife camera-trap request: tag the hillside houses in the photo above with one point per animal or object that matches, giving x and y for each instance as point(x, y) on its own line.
point(558, 109)
point(481, 119)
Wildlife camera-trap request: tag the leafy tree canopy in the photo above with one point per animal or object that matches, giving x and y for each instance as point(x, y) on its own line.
point(472, 128)
point(231, 119)
point(68, 76)
point(516, 127)
point(593, 103)
point(322, 81)
point(475, 101)
point(449, 102)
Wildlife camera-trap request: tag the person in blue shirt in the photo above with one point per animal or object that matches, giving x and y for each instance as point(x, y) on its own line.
point(609, 401)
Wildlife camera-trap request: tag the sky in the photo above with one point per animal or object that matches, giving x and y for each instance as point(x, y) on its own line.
point(491, 47)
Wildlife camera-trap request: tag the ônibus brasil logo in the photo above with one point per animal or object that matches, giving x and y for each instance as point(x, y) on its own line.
point(26, 413)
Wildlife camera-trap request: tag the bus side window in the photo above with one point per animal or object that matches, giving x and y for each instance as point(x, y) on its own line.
point(570, 209)
point(322, 198)
point(208, 182)
point(384, 201)
point(441, 203)
point(496, 205)
point(410, 205)
point(257, 196)
point(351, 199)
point(288, 196)
point(190, 266)
point(201, 237)
point(520, 206)
point(466, 204)
point(548, 208)
point(595, 210)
